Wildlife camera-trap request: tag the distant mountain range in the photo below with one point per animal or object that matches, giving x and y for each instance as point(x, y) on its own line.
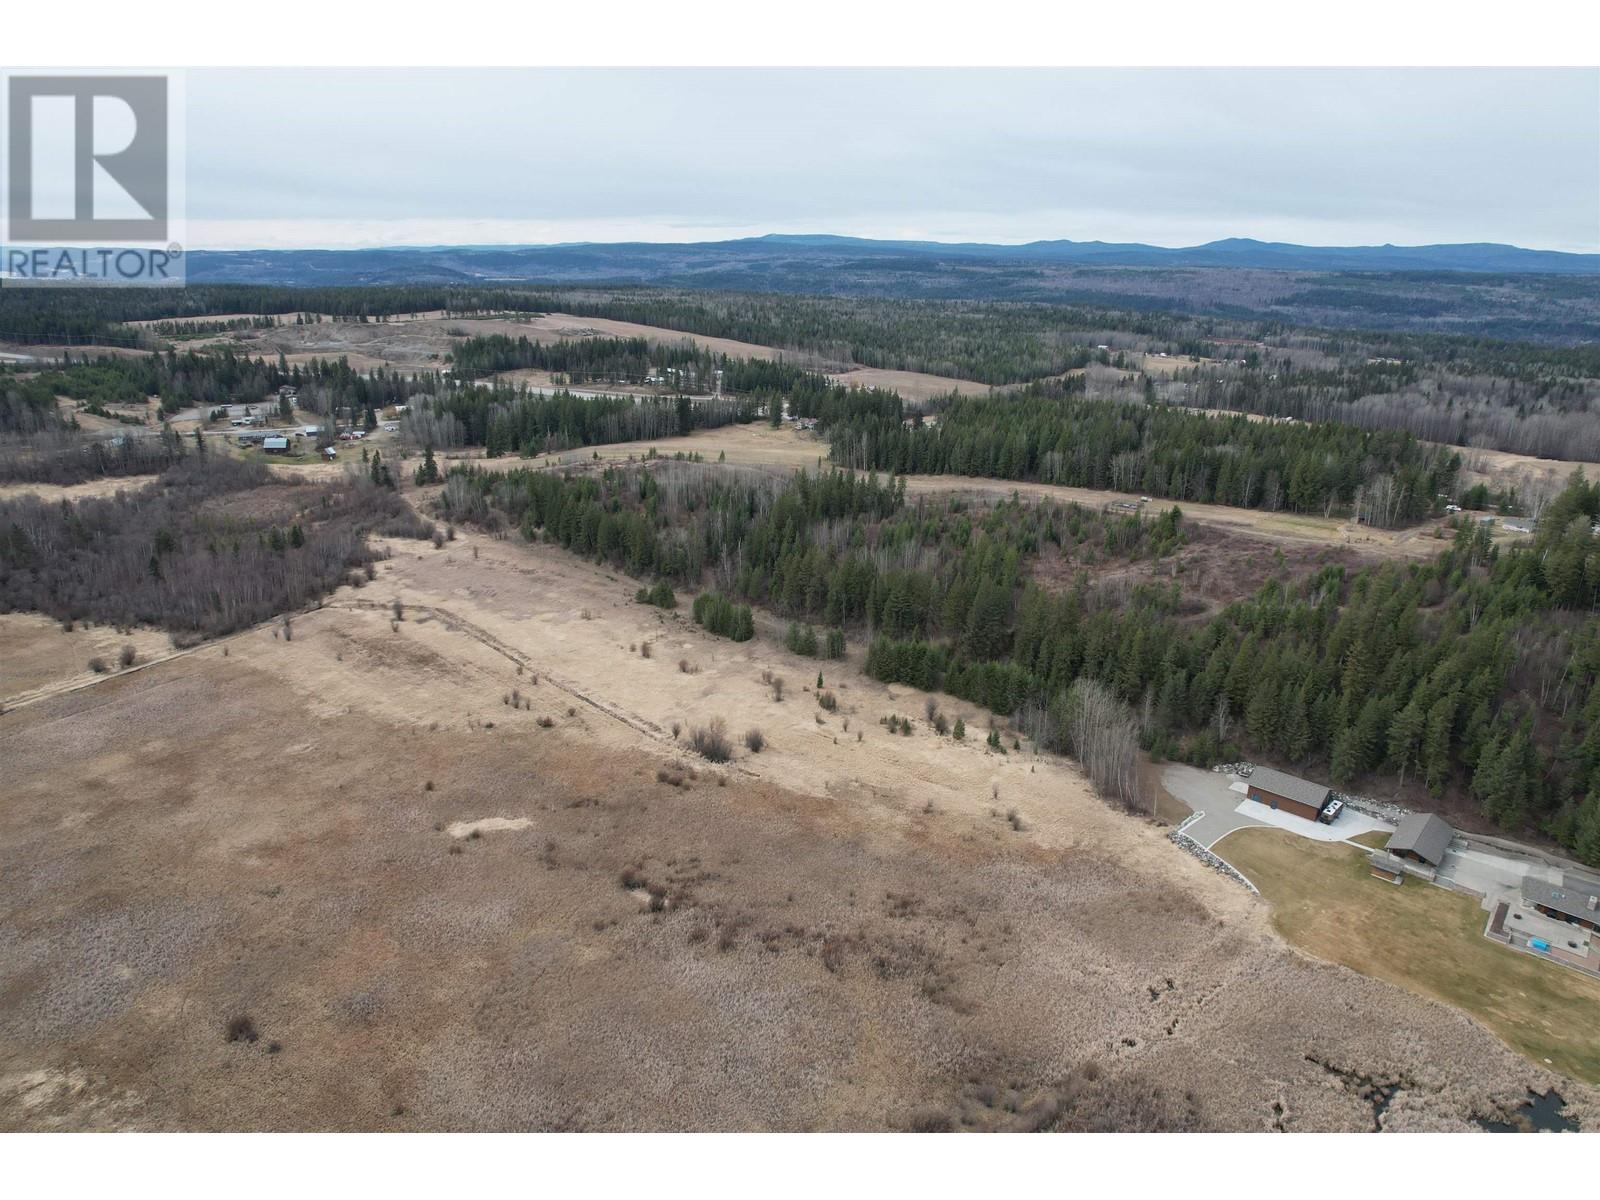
point(1484, 290)
point(661, 262)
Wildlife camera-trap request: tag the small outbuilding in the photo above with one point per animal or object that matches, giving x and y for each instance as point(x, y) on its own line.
point(1423, 838)
point(1277, 789)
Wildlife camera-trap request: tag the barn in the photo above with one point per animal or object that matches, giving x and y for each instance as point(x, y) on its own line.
point(1289, 793)
point(1423, 838)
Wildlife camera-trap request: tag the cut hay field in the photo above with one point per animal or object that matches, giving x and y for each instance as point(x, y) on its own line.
point(235, 898)
point(1423, 938)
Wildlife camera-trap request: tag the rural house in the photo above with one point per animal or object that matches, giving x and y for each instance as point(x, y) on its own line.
point(1290, 793)
point(1575, 900)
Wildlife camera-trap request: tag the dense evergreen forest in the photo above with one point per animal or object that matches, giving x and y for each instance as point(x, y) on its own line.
point(1476, 671)
point(515, 421)
point(1048, 433)
point(204, 380)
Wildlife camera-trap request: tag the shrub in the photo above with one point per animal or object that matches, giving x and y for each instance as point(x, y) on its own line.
point(719, 615)
point(644, 649)
point(240, 1029)
point(546, 722)
point(960, 731)
point(660, 595)
point(828, 700)
point(99, 665)
point(777, 689)
point(802, 639)
point(127, 656)
point(931, 1120)
point(755, 739)
point(711, 741)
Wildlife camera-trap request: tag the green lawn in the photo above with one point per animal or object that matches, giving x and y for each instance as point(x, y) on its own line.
point(1422, 938)
point(1375, 838)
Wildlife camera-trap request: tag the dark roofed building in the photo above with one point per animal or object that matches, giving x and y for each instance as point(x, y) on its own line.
point(1575, 900)
point(1423, 838)
point(1276, 789)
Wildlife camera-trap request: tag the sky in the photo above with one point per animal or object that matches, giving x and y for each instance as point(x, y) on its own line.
point(1173, 157)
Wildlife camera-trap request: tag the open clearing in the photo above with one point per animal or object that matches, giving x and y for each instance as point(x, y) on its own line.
point(1530, 476)
point(1423, 938)
point(104, 485)
point(421, 342)
point(255, 841)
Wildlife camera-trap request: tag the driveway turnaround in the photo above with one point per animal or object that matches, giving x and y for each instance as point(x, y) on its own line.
point(1207, 792)
point(1226, 809)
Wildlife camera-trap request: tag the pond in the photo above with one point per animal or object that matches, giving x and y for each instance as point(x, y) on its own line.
point(1538, 1114)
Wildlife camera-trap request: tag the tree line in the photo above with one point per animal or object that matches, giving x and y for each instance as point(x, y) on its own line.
point(1050, 434)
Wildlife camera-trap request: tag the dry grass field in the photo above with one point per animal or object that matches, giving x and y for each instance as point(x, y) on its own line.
point(458, 871)
point(1423, 938)
point(39, 657)
point(421, 341)
point(105, 485)
point(1530, 476)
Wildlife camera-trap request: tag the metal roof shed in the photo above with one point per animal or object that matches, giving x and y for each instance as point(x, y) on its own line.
point(1423, 835)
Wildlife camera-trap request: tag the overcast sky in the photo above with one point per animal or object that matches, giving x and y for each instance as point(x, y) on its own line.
point(1171, 157)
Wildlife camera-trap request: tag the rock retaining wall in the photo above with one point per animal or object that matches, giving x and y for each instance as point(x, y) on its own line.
point(1186, 842)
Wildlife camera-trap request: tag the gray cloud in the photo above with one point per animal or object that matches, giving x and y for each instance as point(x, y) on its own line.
point(1159, 155)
